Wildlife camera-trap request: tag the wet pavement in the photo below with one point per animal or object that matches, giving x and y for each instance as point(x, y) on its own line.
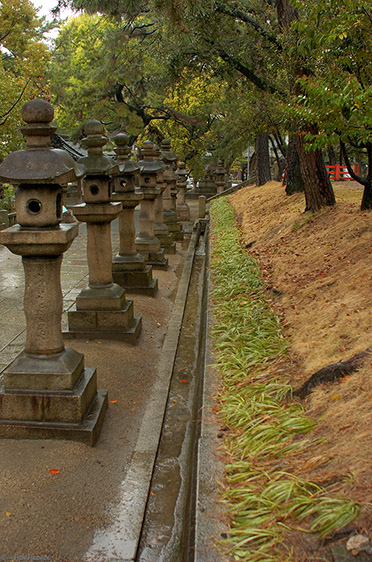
point(92, 508)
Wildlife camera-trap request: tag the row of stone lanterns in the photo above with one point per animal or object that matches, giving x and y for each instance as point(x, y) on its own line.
point(47, 391)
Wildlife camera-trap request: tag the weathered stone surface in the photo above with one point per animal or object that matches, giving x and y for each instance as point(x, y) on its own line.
point(183, 210)
point(52, 406)
point(137, 282)
point(87, 431)
point(47, 392)
point(102, 310)
point(146, 240)
point(59, 371)
point(129, 268)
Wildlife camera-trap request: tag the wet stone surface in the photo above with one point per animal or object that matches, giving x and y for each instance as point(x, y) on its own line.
point(57, 515)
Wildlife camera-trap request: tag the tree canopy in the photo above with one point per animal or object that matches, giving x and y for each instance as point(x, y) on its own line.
point(23, 62)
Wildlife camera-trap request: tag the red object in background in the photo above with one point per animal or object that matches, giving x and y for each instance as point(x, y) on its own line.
point(338, 173)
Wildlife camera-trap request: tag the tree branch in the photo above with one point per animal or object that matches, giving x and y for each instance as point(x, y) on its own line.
point(240, 67)
point(6, 114)
point(234, 11)
point(348, 165)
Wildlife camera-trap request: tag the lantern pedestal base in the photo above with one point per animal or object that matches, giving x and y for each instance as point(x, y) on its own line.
point(183, 211)
point(87, 430)
point(139, 282)
point(54, 372)
point(150, 249)
point(118, 325)
point(157, 260)
point(176, 231)
point(174, 227)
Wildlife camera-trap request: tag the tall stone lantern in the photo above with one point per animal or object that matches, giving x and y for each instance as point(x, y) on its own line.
point(129, 268)
point(147, 243)
point(160, 227)
point(102, 310)
point(183, 210)
point(170, 193)
point(47, 392)
point(220, 175)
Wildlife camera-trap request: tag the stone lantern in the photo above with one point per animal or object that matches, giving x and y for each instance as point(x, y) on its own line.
point(220, 175)
point(147, 243)
point(160, 228)
point(129, 268)
point(47, 392)
point(170, 193)
point(102, 310)
point(183, 210)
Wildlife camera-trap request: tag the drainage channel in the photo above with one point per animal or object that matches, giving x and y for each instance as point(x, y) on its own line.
point(168, 525)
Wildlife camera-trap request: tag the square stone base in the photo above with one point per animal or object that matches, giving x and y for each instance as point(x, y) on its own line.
point(169, 248)
point(119, 325)
point(176, 231)
point(156, 259)
point(87, 431)
point(137, 282)
point(59, 406)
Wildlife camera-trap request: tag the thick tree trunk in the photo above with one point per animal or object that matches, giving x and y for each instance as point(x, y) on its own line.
point(317, 185)
point(293, 179)
point(263, 174)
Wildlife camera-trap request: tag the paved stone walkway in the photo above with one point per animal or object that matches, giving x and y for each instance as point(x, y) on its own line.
point(58, 516)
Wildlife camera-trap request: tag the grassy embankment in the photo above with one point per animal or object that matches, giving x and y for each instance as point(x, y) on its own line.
point(266, 502)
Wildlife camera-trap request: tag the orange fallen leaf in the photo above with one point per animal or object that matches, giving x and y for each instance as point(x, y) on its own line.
point(53, 471)
point(336, 397)
point(152, 493)
point(113, 401)
point(8, 514)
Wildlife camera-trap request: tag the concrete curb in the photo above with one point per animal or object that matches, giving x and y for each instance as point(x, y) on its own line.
point(119, 542)
point(210, 518)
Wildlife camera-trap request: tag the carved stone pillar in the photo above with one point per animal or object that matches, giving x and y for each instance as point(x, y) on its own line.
point(102, 310)
point(129, 268)
point(47, 391)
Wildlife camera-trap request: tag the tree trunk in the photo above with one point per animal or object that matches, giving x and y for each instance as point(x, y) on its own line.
point(366, 204)
point(317, 185)
point(293, 179)
point(263, 174)
point(332, 156)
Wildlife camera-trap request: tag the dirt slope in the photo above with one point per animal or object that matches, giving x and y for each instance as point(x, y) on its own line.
point(318, 271)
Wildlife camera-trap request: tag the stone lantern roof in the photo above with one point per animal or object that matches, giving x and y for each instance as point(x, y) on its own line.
point(167, 155)
point(122, 149)
point(220, 170)
point(147, 165)
point(181, 171)
point(39, 163)
point(96, 163)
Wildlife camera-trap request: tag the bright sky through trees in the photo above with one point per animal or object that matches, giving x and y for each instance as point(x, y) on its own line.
point(45, 6)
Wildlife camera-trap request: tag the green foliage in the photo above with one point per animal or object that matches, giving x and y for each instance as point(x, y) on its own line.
point(338, 93)
point(264, 501)
point(23, 62)
point(7, 200)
